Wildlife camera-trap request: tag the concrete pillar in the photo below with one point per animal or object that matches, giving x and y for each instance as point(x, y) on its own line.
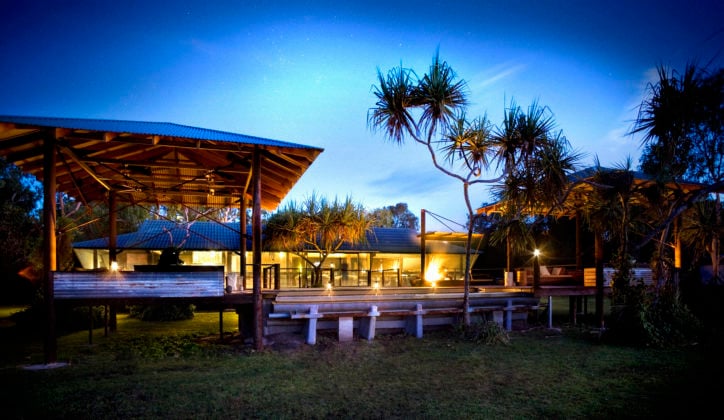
point(498, 317)
point(368, 324)
point(414, 322)
point(345, 329)
point(509, 315)
point(550, 311)
point(310, 326)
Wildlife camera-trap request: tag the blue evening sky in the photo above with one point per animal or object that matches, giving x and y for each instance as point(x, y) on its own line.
point(303, 72)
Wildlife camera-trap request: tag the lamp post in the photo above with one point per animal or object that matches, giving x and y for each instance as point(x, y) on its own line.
point(536, 268)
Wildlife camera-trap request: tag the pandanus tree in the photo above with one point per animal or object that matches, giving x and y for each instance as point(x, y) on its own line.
point(614, 210)
point(430, 110)
point(317, 225)
point(536, 160)
point(682, 120)
point(701, 228)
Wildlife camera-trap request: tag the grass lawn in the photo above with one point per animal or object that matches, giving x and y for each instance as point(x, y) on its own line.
point(182, 370)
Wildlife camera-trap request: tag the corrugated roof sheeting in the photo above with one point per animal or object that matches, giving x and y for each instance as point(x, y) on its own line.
point(154, 162)
point(160, 234)
point(581, 186)
point(146, 128)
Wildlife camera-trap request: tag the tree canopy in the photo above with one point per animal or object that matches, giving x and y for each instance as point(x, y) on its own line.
point(397, 216)
point(20, 227)
point(682, 120)
point(317, 225)
point(431, 110)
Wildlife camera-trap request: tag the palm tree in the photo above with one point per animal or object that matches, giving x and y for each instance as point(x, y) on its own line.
point(701, 231)
point(317, 225)
point(537, 160)
point(683, 129)
point(439, 100)
point(610, 212)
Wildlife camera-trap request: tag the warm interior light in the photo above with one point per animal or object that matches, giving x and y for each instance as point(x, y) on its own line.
point(329, 286)
point(114, 266)
point(536, 253)
point(377, 284)
point(432, 274)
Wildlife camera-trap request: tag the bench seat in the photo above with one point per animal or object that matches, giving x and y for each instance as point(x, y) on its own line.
point(413, 317)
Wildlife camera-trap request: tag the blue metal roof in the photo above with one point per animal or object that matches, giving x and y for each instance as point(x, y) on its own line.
point(147, 128)
point(161, 234)
point(198, 236)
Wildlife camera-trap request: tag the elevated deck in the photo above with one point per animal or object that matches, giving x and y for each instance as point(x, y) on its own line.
point(345, 309)
point(409, 309)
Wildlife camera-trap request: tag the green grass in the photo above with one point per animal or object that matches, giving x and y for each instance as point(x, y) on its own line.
point(181, 370)
point(7, 311)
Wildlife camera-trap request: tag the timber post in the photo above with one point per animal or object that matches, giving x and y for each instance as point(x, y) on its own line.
point(49, 247)
point(256, 250)
point(423, 248)
point(112, 323)
point(598, 251)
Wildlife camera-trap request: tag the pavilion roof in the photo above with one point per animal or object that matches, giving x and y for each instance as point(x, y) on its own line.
point(582, 185)
point(209, 235)
point(154, 162)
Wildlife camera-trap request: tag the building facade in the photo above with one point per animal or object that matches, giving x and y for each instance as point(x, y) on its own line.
point(389, 258)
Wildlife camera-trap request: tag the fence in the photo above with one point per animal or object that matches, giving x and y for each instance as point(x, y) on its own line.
point(275, 277)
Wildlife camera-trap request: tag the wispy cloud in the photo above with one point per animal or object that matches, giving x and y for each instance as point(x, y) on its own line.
point(406, 182)
point(619, 143)
point(496, 73)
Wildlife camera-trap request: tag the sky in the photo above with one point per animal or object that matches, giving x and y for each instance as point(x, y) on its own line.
point(304, 72)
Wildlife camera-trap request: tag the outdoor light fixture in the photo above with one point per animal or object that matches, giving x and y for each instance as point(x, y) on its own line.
point(329, 285)
point(114, 266)
point(536, 268)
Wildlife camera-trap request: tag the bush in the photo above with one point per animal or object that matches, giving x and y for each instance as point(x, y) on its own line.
point(483, 332)
point(163, 312)
point(653, 319)
point(67, 319)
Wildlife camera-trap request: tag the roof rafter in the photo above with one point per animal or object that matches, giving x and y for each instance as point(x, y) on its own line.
point(154, 162)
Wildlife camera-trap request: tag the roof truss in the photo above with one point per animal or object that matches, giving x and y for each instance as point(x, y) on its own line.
point(157, 163)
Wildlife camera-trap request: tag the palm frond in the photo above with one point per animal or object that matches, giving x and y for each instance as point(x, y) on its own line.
point(391, 112)
point(440, 96)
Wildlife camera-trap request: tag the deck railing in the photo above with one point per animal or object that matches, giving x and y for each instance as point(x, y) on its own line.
point(275, 277)
point(139, 284)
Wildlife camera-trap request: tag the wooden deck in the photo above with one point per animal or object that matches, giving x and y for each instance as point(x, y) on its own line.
point(407, 309)
point(360, 309)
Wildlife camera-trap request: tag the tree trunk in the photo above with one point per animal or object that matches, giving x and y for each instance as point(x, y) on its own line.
point(468, 246)
point(598, 251)
point(715, 242)
point(508, 253)
point(466, 293)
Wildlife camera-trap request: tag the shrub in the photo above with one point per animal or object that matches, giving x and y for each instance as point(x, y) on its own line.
point(67, 318)
point(653, 319)
point(77, 318)
point(162, 312)
point(482, 332)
